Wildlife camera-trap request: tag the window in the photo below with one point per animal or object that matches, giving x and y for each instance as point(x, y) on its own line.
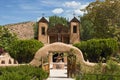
point(3, 62)
point(10, 61)
point(74, 29)
point(15, 62)
point(43, 30)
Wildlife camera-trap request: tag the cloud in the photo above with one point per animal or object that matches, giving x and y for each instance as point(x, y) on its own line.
point(51, 3)
point(58, 11)
point(74, 7)
point(46, 2)
point(75, 4)
point(72, 4)
point(82, 6)
point(78, 12)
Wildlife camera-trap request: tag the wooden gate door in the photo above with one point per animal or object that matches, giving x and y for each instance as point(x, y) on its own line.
point(71, 65)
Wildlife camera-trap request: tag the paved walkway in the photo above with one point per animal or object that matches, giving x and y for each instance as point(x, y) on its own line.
point(58, 74)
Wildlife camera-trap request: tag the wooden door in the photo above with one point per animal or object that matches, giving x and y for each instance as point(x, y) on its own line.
point(71, 65)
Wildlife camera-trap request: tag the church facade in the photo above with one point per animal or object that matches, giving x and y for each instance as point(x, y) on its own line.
point(59, 33)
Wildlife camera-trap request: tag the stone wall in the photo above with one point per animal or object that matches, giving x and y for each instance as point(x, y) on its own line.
point(23, 30)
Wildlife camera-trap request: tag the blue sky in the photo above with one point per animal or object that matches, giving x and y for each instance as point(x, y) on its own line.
point(14, 11)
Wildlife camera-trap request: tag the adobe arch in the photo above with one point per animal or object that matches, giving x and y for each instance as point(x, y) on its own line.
point(56, 47)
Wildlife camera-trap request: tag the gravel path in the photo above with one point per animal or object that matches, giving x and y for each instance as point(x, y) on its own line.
point(58, 75)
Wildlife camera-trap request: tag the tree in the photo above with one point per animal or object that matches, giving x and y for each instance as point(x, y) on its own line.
point(6, 38)
point(23, 50)
point(86, 29)
point(105, 17)
point(36, 30)
point(57, 20)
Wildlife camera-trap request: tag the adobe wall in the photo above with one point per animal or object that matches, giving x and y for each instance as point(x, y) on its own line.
point(74, 37)
point(58, 47)
point(43, 38)
point(7, 60)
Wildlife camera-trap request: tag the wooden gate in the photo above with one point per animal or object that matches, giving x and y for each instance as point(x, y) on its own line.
point(71, 65)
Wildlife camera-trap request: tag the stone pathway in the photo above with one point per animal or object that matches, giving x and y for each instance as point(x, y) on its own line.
point(58, 74)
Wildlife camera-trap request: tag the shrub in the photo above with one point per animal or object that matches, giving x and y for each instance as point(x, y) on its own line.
point(98, 77)
point(112, 67)
point(108, 71)
point(96, 50)
point(24, 50)
point(6, 38)
point(22, 73)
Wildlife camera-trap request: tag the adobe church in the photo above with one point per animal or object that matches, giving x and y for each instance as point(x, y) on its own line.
point(59, 33)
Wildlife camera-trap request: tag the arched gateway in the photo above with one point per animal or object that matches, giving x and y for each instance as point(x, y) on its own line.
point(56, 47)
point(44, 53)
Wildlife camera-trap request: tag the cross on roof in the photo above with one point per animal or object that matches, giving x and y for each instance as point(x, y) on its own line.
point(74, 14)
point(43, 14)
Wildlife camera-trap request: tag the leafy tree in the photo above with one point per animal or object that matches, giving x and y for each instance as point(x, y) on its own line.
point(23, 50)
point(36, 30)
point(86, 29)
point(104, 16)
point(57, 20)
point(6, 38)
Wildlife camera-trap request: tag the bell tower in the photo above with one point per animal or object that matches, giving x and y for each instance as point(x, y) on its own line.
point(74, 30)
point(42, 30)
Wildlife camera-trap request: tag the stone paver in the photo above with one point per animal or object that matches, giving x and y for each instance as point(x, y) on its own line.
point(58, 74)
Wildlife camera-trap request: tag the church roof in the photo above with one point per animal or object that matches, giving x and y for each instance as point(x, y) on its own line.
point(58, 28)
point(43, 20)
point(74, 20)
